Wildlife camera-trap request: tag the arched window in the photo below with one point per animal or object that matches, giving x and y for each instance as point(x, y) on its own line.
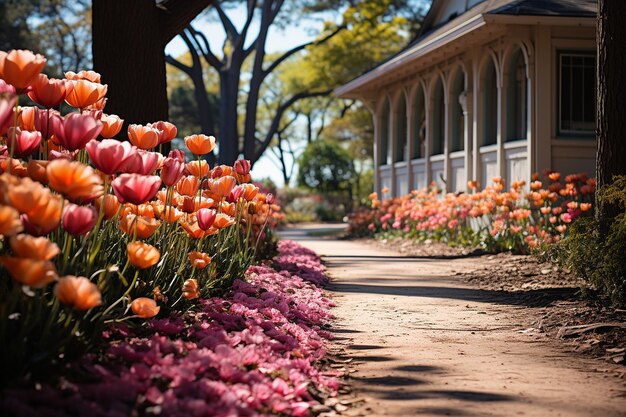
point(384, 135)
point(490, 104)
point(517, 98)
point(419, 124)
point(438, 117)
point(400, 130)
point(456, 113)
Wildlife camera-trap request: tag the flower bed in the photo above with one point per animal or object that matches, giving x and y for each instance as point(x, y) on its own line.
point(518, 219)
point(253, 352)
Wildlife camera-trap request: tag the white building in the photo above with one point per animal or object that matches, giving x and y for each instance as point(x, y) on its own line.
point(490, 88)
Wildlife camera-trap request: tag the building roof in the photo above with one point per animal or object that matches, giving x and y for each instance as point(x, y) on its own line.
point(435, 34)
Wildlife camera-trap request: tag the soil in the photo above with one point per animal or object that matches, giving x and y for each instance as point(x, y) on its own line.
point(424, 335)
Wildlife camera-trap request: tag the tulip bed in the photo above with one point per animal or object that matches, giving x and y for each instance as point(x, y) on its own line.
point(519, 219)
point(96, 232)
point(252, 352)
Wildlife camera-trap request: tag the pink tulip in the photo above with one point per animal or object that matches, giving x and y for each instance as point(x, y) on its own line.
point(172, 171)
point(49, 92)
point(47, 121)
point(206, 217)
point(142, 162)
point(177, 154)
point(6, 88)
point(7, 104)
point(79, 220)
point(24, 143)
point(235, 194)
point(110, 155)
point(167, 129)
point(135, 188)
point(242, 167)
point(76, 130)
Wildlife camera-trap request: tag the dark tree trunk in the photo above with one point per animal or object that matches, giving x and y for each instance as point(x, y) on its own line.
point(128, 52)
point(611, 156)
point(229, 133)
point(129, 38)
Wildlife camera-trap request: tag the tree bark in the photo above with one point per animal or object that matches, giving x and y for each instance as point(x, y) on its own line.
point(611, 84)
point(129, 38)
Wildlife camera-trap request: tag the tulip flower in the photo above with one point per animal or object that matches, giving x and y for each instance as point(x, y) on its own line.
point(79, 220)
point(142, 255)
point(142, 226)
point(167, 129)
point(76, 130)
point(45, 218)
point(49, 92)
point(24, 194)
point(188, 185)
point(171, 171)
point(22, 142)
point(20, 68)
point(242, 166)
point(77, 292)
point(27, 246)
point(84, 93)
point(200, 144)
point(250, 191)
point(145, 307)
point(143, 137)
point(135, 188)
point(222, 187)
point(141, 162)
point(32, 272)
point(198, 168)
point(190, 289)
point(223, 220)
point(10, 223)
point(7, 104)
point(235, 194)
point(110, 155)
point(111, 125)
point(177, 154)
point(77, 181)
point(92, 76)
point(192, 229)
point(111, 205)
point(199, 260)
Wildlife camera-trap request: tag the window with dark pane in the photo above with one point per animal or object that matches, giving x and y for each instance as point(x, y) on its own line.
point(577, 93)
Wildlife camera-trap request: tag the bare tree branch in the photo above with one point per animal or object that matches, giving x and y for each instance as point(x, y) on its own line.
point(205, 48)
point(177, 64)
point(229, 27)
point(177, 14)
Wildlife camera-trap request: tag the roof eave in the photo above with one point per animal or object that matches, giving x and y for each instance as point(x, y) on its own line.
point(540, 20)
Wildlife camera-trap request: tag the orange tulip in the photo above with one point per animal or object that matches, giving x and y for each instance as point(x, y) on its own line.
point(200, 144)
point(40, 248)
point(146, 210)
point(92, 76)
point(143, 226)
point(37, 170)
point(111, 125)
point(17, 168)
point(199, 259)
point(188, 185)
point(26, 118)
point(25, 194)
point(585, 206)
point(223, 220)
point(78, 292)
point(222, 187)
point(250, 191)
point(49, 92)
point(228, 208)
point(198, 168)
point(192, 229)
point(20, 68)
point(190, 289)
point(111, 205)
point(85, 93)
point(142, 255)
point(145, 307)
point(77, 181)
point(32, 272)
point(45, 218)
point(143, 137)
point(10, 223)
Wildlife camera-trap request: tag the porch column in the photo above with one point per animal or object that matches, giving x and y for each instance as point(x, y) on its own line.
point(466, 102)
point(410, 131)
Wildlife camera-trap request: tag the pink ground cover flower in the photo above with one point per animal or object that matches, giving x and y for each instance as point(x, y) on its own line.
point(252, 352)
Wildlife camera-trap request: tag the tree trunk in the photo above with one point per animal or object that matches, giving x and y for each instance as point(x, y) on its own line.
point(128, 52)
point(229, 133)
point(611, 38)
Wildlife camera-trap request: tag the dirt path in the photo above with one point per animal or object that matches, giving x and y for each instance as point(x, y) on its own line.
point(425, 344)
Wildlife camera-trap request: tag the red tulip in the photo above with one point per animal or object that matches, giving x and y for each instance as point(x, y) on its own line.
point(177, 154)
point(172, 171)
point(206, 217)
point(24, 143)
point(76, 130)
point(110, 155)
point(49, 92)
point(242, 167)
point(79, 220)
point(235, 194)
point(142, 162)
point(135, 188)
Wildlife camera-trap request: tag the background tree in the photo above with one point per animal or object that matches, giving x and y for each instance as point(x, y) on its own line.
point(234, 137)
point(129, 39)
